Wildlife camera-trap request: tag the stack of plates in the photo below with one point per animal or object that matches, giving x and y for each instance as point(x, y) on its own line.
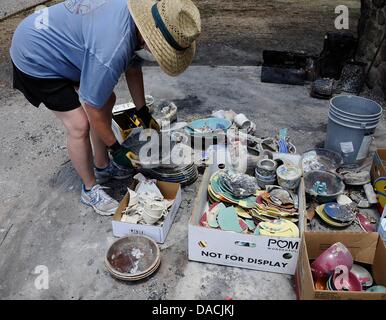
point(336, 215)
point(184, 174)
point(133, 258)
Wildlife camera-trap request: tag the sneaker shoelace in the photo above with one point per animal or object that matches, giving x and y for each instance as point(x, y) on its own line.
point(101, 195)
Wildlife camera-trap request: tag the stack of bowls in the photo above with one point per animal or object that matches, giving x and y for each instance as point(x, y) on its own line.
point(265, 172)
point(133, 258)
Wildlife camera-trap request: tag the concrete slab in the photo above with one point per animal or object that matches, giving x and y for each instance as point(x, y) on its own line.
point(43, 223)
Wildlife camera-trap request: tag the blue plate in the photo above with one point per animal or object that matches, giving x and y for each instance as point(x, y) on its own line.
point(338, 212)
point(213, 124)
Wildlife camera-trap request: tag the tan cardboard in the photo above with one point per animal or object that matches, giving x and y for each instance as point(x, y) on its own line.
point(170, 191)
point(365, 248)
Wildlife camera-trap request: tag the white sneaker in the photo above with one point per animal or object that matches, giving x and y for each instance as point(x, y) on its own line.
point(101, 202)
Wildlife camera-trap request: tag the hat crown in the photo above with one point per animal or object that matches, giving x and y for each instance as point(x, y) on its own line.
point(182, 19)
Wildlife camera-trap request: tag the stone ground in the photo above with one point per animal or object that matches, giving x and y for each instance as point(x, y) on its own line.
point(42, 221)
point(9, 7)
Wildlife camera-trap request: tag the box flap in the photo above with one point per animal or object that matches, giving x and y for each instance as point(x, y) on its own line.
point(122, 206)
point(379, 266)
point(361, 245)
point(168, 189)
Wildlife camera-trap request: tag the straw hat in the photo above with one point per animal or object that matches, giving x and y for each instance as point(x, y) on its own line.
point(170, 29)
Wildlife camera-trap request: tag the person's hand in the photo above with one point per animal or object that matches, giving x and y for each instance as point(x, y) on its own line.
point(147, 119)
point(125, 157)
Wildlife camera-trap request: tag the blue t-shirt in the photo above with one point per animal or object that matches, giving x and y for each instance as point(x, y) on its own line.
point(86, 41)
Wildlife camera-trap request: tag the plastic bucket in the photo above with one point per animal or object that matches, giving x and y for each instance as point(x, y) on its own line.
point(353, 118)
point(351, 125)
point(356, 106)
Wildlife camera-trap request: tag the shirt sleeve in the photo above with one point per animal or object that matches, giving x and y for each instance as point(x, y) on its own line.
point(97, 82)
point(136, 62)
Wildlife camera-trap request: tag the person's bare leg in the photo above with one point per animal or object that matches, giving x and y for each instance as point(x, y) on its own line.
point(78, 143)
point(101, 158)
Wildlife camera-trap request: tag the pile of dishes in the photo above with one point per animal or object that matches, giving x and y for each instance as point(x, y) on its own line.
point(147, 204)
point(236, 219)
point(337, 215)
point(275, 203)
point(335, 270)
point(226, 186)
point(133, 258)
point(237, 204)
point(207, 128)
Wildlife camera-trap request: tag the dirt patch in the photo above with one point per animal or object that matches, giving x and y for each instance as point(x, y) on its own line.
point(236, 32)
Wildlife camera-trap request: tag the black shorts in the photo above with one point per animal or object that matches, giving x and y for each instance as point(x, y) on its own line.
point(55, 94)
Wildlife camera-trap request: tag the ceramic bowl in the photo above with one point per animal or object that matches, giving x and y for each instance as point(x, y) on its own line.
point(321, 159)
point(208, 127)
point(132, 257)
point(345, 280)
point(289, 177)
point(366, 224)
point(334, 256)
point(266, 167)
point(363, 275)
point(152, 212)
point(335, 185)
point(263, 181)
point(376, 289)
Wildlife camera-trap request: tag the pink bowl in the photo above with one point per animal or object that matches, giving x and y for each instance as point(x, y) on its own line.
point(345, 280)
point(334, 256)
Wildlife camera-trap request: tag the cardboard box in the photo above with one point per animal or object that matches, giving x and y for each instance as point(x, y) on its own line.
point(273, 254)
point(159, 233)
point(378, 172)
point(365, 248)
point(124, 122)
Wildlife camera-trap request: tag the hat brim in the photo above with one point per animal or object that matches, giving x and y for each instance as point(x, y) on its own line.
point(171, 61)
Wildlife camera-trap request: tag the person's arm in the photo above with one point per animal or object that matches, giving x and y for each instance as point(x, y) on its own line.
point(121, 155)
point(98, 122)
point(134, 79)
